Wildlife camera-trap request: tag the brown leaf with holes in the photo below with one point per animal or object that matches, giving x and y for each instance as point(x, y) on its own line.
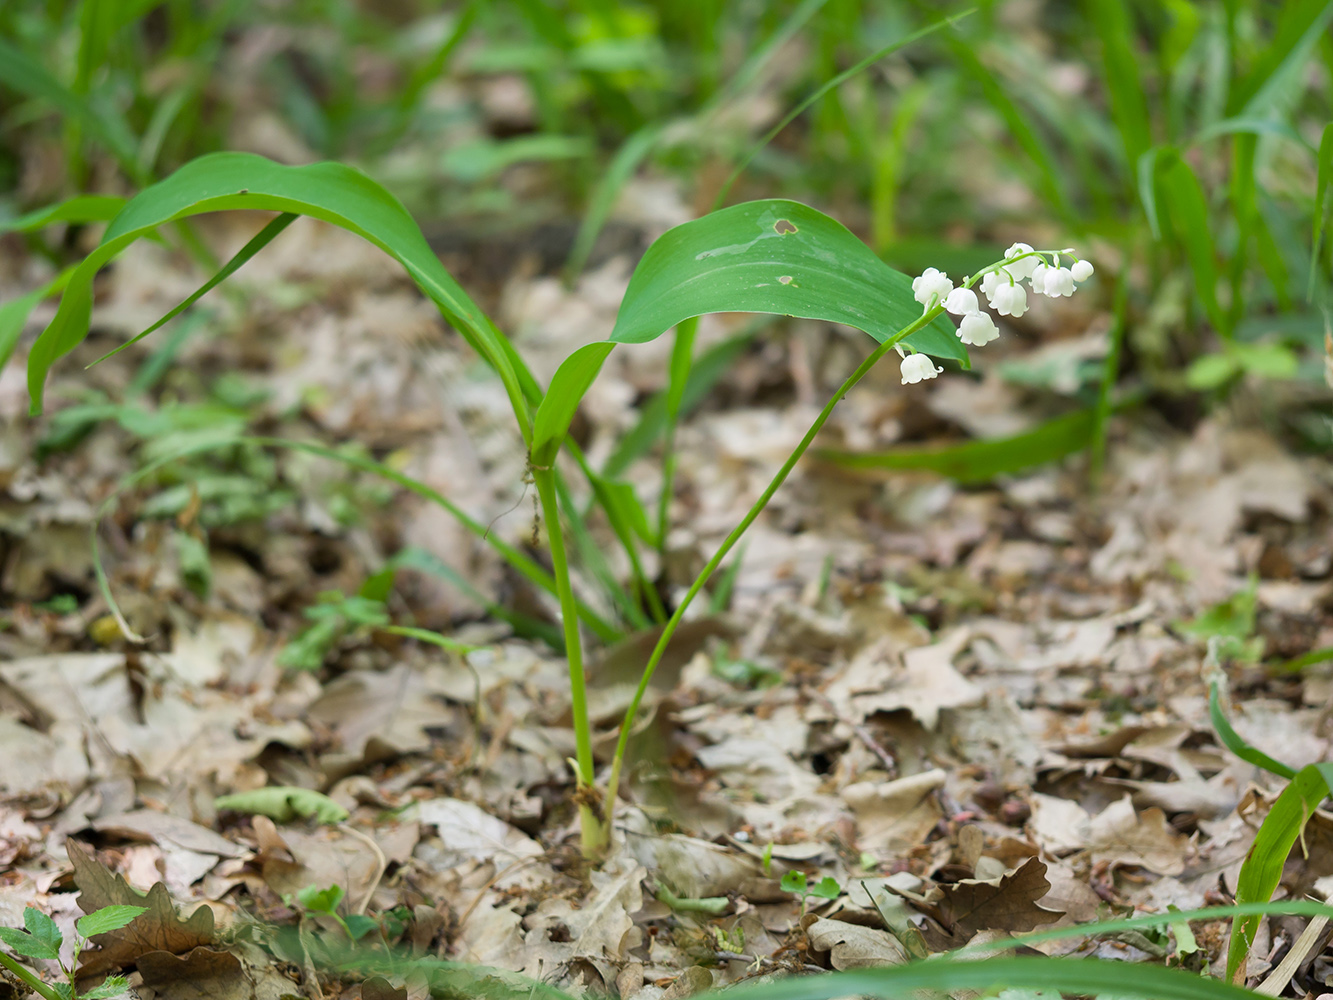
point(1006, 903)
point(160, 929)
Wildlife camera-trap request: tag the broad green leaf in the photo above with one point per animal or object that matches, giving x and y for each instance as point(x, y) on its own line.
point(1187, 208)
point(81, 208)
point(328, 191)
point(778, 257)
point(1208, 371)
point(42, 927)
point(1262, 869)
point(284, 804)
point(108, 918)
point(359, 925)
point(975, 461)
point(568, 386)
point(23, 943)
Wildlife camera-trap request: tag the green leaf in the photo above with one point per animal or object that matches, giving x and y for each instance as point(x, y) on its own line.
point(81, 208)
point(23, 943)
point(283, 804)
point(1209, 371)
point(827, 888)
point(1322, 203)
point(977, 461)
point(568, 386)
point(1187, 208)
point(14, 314)
point(262, 239)
point(108, 918)
point(359, 925)
point(1113, 23)
point(321, 900)
point(112, 986)
point(328, 191)
point(793, 881)
point(42, 927)
point(1262, 869)
point(1233, 741)
point(1299, 28)
point(777, 257)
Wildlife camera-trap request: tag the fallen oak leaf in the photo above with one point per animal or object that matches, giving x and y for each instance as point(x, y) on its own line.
point(1008, 902)
point(200, 974)
point(156, 929)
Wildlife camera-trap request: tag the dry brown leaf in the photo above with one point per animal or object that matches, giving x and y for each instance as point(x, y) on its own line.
point(201, 974)
point(1006, 903)
point(852, 946)
point(379, 988)
point(895, 815)
point(160, 929)
point(1119, 836)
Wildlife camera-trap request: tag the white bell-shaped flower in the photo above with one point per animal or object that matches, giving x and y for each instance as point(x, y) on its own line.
point(962, 301)
point(992, 280)
point(1021, 269)
point(1038, 277)
point(1059, 282)
point(931, 283)
point(977, 329)
point(917, 367)
point(1082, 270)
point(1009, 300)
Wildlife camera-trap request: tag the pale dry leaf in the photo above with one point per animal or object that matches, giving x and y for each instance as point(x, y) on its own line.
point(1119, 836)
point(469, 833)
point(1058, 825)
point(852, 946)
point(895, 815)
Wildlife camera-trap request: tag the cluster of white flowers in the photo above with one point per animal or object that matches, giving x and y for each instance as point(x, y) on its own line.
point(1004, 293)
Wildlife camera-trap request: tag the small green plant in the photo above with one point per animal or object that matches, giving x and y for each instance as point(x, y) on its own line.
point(326, 901)
point(42, 939)
point(795, 881)
point(334, 617)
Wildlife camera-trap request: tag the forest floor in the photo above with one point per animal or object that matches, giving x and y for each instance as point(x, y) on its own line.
point(987, 703)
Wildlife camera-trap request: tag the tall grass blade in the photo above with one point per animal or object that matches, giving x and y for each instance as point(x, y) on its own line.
point(80, 208)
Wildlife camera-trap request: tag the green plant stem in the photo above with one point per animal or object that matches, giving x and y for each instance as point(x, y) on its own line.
point(755, 510)
point(29, 978)
point(593, 829)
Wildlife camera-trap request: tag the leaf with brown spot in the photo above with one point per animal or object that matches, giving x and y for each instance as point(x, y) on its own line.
point(159, 929)
point(1006, 903)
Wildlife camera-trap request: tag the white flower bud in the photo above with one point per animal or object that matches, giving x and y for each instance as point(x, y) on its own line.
point(962, 301)
point(1082, 270)
point(1021, 269)
point(917, 367)
point(932, 283)
point(977, 329)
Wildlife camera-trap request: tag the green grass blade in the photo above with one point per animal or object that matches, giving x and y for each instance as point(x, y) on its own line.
point(14, 313)
point(1113, 22)
point(1323, 201)
point(977, 461)
point(81, 208)
point(262, 239)
point(1300, 26)
point(328, 191)
point(777, 257)
point(1310, 659)
point(426, 635)
point(1262, 869)
point(1091, 976)
point(24, 74)
point(1233, 741)
point(632, 152)
point(1187, 208)
point(823, 89)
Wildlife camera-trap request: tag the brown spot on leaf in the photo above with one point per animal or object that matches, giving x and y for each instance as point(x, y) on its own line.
point(782, 227)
